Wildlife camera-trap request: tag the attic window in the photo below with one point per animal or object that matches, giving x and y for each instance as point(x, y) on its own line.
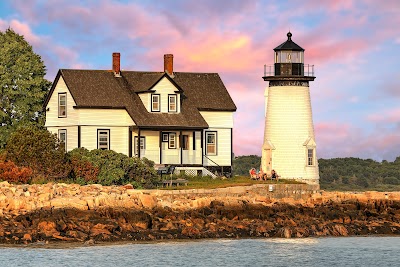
point(62, 105)
point(155, 102)
point(172, 103)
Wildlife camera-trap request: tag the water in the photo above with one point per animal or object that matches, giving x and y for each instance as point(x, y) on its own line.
point(343, 251)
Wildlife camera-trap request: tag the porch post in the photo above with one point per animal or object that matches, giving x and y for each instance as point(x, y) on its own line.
point(202, 147)
point(180, 144)
point(138, 144)
point(130, 142)
point(160, 145)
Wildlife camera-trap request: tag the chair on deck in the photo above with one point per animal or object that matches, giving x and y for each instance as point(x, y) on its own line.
point(166, 170)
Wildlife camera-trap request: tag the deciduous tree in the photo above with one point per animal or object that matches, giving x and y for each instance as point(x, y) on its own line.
point(22, 84)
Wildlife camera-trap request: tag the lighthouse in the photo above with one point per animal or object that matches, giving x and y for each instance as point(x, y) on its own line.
point(289, 145)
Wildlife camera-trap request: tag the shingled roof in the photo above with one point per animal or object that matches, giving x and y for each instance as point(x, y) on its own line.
point(101, 89)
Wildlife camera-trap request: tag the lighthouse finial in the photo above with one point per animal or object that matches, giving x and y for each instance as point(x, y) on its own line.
point(289, 36)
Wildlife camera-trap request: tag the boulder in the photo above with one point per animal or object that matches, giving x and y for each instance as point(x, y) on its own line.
point(49, 228)
point(147, 201)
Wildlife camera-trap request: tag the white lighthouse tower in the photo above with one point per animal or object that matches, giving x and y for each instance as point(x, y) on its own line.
point(289, 142)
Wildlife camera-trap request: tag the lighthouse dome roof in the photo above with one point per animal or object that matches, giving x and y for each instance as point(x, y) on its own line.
point(289, 45)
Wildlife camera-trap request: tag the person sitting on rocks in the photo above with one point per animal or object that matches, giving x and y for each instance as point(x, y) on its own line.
point(274, 175)
point(261, 175)
point(253, 174)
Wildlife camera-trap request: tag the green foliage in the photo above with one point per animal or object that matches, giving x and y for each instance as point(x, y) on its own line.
point(242, 164)
point(22, 84)
point(117, 168)
point(342, 173)
point(35, 147)
point(359, 174)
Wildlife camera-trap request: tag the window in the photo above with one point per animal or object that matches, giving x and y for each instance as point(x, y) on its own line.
point(62, 105)
point(155, 102)
point(142, 144)
point(172, 103)
point(165, 137)
point(185, 142)
point(310, 160)
point(211, 143)
point(103, 139)
point(62, 136)
point(172, 140)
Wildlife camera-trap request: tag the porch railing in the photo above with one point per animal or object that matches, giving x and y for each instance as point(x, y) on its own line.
point(172, 157)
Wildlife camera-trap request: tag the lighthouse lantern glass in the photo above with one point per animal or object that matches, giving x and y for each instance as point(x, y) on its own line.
point(287, 56)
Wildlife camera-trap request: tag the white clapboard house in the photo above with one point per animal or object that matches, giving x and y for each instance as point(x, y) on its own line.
point(172, 118)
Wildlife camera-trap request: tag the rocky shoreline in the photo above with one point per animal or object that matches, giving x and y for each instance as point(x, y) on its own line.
point(152, 215)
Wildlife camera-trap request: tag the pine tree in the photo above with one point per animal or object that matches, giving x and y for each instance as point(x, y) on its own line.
point(22, 84)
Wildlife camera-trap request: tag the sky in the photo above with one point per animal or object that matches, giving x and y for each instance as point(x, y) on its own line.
point(353, 45)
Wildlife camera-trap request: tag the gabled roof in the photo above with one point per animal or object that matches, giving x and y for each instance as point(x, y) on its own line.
point(289, 45)
point(310, 142)
point(101, 89)
point(268, 145)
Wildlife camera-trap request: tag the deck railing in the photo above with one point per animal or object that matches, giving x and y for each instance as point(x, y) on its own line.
point(269, 70)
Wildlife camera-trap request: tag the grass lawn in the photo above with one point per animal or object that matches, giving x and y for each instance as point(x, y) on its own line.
point(207, 182)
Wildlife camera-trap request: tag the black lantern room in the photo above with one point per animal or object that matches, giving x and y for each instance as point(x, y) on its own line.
point(289, 63)
point(289, 58)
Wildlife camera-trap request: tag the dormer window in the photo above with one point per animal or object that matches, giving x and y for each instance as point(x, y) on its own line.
point(172, 103)
point(62, 105)
point(155, 102)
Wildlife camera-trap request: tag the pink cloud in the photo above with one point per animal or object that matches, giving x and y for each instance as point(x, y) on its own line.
point(335, 139)
point(44, 46)
point(386, 116)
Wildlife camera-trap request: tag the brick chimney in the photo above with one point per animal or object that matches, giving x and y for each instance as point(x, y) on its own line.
point(116, 64)
point(169, 64)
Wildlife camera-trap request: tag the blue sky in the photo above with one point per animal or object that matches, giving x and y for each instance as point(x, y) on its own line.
point(354, 45)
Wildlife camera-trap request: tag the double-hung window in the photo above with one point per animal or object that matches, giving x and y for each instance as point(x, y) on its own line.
point(172, 140)
point(155, 102)
point(211, 143)
point(172, 103)
point(310, 157)
point(62, 136)
point(103, 139)
point(62, 105)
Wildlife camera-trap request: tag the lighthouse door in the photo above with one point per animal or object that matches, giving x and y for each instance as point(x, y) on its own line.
point(269, 160)
point(266, 164)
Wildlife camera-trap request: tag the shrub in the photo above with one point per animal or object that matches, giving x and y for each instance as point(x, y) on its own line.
point(116, 168)
point(35, 147)
point(12, 173)
point(82, 170)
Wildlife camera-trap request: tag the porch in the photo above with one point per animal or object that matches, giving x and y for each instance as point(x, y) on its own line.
point(172, 147)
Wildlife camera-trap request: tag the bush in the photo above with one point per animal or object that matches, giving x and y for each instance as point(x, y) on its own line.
point(116, 168)
point(12, 173)
point(36, 148)
point(82, 170)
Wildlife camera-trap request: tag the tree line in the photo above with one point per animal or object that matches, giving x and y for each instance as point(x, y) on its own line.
point(342, 173)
